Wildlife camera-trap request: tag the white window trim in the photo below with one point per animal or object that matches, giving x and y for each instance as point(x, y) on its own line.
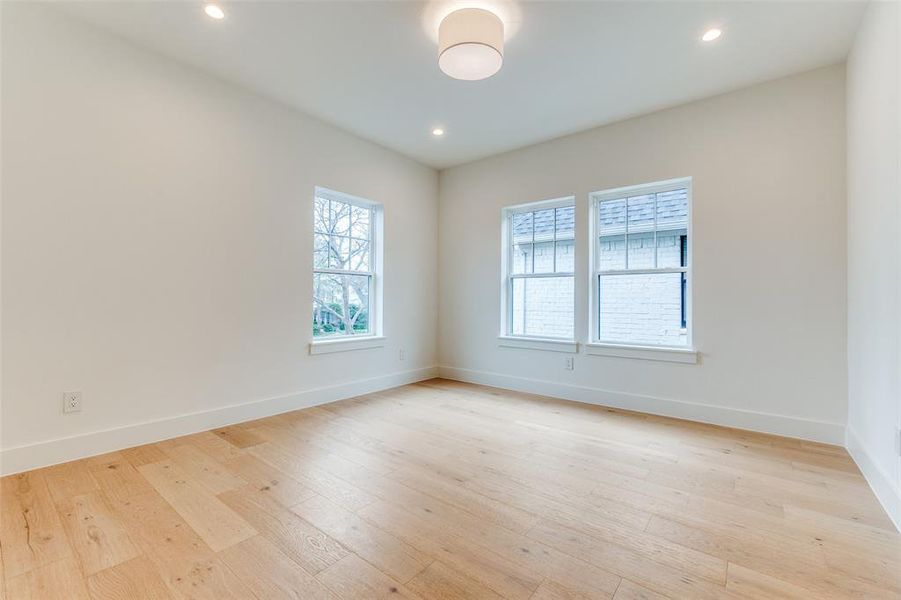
point(346, 343)
point(601, 347)
point(537, 343)
point(375, 338)
point(660, 353)
point(506, 337)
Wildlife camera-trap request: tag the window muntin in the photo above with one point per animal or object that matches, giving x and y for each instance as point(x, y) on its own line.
point(641, 266)
point(539, 295)
point(344, 265)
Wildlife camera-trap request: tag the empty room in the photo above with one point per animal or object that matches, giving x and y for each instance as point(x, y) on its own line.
point(450, 299)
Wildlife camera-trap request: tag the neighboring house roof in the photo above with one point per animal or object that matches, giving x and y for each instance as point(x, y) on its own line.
point(543, 223)
point(672, 213)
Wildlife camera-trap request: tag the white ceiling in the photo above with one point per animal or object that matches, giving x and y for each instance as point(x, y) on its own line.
point(371, 67)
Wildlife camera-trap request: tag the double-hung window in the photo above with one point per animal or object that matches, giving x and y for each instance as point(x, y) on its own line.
point(641, 265)
point(539, 264)
point(346, 266)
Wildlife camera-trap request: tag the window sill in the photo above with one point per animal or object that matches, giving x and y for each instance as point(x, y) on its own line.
point(346, 344)
point(679, 355)
point(549, 345)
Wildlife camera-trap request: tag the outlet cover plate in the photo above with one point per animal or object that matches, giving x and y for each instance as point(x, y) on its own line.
point(71, 402)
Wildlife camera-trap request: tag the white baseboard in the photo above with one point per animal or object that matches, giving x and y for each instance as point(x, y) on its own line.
point(807, 429)
point(50, 452)
point(887, 491)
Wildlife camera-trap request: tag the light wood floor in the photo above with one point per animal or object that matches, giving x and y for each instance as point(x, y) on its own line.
point(444, 490)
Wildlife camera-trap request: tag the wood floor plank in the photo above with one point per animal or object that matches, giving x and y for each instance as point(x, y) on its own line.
point(658, 549)
point(449, 490)
point(629, 590)
point(144, 455)
point(441, 582)
point(218, 525)
point(137, 578)
point(117, 477)
point(390, 555)
point(496, 572)
point(265, 478)
point(767, 558)
point(554, 590)
point(306, 545)
point(67, 480)
point(166, 539)
point(625, 563)
point(312, 477)
point(269, 574)
point(210, 580)
point(238, 436)
point(31, 532)
point(215, 446)
point(60, 580)
point(96, 533)
point(352, 578)
point(203, 469)
point(751, 584)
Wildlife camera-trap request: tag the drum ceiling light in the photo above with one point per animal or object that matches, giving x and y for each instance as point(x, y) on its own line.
point(471, 44)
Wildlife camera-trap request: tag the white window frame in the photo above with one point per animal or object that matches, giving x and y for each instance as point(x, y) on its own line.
point(507, 338)
point(602, 347)
point(375, 338)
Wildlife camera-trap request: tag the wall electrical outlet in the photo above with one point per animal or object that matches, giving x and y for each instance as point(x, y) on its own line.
point(401, 355)
point(71, 402)
point(570, 363)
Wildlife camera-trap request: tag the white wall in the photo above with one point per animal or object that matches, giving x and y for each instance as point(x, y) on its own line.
point(768, 164)
point(874, 252)
point(157, 246)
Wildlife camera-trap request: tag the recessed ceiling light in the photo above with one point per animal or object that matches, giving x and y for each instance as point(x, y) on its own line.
point(711, 34)
point(437, 132)
point(214, 11)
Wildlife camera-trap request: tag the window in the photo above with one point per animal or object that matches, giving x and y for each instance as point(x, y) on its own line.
point(641, 275)
point(346, 261)
point(539, 261)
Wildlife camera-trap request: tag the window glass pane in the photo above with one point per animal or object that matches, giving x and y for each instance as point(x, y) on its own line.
point(612, 217)
point(641, 213)
point(672, 209)
point(320, 251)
point(359, 255)
point(544, 257)
point(566, 220)
point(544, 224)
point(320, 215)
point(340, 304)
point(566, 256)
point(641, 250)
point(522, 227)
point(339, 252)
point(543, 307)
point(612, 241)
point(521, 260)
point(339, 219)
point(641, 309)
point(612, 252)
point(359, 222)
point(670, 248)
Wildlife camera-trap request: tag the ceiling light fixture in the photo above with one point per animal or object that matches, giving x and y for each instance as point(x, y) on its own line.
point(471, 44)
point(711, 34)
point(214, 11)
point(437, 132)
